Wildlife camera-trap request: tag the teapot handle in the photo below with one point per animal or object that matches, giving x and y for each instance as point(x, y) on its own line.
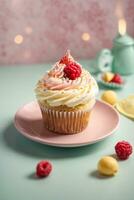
point(104, 60)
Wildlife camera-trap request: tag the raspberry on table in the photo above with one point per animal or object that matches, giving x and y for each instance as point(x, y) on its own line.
point(43, 168)
point(123, 150)
point(72, 71)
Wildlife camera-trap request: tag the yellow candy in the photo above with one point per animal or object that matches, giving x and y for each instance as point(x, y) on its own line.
point(108, 76)
point(108, 166)
point(109, 96)
point(126, 106)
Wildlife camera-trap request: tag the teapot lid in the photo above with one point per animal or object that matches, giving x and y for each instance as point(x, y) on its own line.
point(123, 40)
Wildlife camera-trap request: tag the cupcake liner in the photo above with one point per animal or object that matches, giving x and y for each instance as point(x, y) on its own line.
point(65, 122)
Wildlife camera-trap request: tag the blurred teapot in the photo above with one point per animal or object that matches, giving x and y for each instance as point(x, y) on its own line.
point(123, 52)
point(119, 60)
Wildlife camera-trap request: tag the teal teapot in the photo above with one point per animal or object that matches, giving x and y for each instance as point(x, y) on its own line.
point(123, 55)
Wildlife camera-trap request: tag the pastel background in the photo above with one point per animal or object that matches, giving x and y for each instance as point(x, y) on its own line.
point(37, 31)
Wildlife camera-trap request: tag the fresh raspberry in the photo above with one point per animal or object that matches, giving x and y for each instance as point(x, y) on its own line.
point(72, 71)
point(117, 79)
point(123, 150)
point(43, 168)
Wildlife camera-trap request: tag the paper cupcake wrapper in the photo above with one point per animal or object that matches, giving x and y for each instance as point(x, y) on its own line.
point(64, 122)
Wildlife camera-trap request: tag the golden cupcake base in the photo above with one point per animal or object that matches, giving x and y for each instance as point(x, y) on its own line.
point(65, 122)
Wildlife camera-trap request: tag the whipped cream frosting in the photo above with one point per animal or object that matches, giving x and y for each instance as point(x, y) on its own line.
point(57, 90)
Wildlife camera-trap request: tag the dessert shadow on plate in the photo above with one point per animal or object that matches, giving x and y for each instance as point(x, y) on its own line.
point(21, 145)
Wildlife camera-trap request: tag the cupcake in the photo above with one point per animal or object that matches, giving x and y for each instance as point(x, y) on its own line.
point(66, 96)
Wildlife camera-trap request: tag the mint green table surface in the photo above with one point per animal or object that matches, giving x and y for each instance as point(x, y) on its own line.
point(74, 175)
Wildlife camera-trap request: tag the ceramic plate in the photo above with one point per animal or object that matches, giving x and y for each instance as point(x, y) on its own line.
point(110, 84)
point(103, 122)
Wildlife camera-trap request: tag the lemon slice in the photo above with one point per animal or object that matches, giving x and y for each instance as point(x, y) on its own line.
point(126, 106)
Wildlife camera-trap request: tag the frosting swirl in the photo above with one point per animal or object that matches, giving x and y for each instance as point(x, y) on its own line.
point(57, 90)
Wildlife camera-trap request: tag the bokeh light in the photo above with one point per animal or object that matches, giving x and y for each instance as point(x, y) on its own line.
point(18, 39)
point(85, 36)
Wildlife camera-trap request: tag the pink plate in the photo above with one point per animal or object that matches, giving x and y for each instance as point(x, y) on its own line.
point(104, 121)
